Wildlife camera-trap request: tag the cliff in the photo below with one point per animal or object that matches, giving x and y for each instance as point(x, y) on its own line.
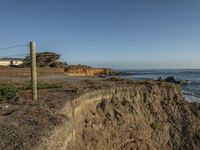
point(149, 115)
point(79, 70)
point(103, 114)
point(136, 117)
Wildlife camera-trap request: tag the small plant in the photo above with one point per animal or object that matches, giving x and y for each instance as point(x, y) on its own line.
point(7, 91)
point(154, 125)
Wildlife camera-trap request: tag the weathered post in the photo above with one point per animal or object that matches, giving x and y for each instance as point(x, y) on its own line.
point(33, 70)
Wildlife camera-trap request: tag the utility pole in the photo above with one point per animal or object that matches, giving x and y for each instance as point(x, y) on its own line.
point(33, 70)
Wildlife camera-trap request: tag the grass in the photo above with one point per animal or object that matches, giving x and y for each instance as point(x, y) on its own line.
point(7, 91)
point(42, 85)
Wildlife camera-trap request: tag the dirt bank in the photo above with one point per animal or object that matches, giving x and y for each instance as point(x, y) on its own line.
point(136, 117)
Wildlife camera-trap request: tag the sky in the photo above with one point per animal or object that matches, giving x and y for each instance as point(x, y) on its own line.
point(121, 34)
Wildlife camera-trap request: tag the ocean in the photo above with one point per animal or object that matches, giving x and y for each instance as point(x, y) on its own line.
point(191, 91)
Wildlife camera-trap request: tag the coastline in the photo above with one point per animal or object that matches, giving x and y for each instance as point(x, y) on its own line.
point(191, 91)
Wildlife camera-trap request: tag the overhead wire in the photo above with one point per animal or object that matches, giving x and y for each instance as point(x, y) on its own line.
point(18, 55)
point(15, 46)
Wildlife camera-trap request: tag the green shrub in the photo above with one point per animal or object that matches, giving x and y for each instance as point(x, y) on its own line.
point(7, 91)
point(154, 125)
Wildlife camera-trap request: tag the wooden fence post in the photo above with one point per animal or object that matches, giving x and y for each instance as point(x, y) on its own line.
point(33, 70)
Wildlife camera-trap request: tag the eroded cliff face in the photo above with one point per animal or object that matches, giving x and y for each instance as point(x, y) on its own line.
point(87, 71)
point(147, 116)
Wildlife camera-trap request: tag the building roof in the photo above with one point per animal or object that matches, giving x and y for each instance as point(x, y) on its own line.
point(10, 59)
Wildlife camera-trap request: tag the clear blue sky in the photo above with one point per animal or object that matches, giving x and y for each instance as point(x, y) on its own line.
point(106, 33)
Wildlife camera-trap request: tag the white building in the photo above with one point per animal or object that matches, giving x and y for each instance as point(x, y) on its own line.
point(10, 61)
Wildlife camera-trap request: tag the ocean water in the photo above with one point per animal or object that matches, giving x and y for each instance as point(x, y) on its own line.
point(190, 91)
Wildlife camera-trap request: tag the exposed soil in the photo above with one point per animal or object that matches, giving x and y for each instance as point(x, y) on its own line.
point(142, 117)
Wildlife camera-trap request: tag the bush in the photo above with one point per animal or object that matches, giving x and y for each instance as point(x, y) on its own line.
point(154, 125)
point(7, 91)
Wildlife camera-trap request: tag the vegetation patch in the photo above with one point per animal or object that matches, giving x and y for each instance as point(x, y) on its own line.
point(154, 125)
point(7, 91)
point(42, 85)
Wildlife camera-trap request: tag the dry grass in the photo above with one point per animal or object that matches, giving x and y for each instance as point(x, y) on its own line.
point(26, 72)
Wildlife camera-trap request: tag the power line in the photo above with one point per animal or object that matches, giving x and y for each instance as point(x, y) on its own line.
point(9, 47)
point(18, 55)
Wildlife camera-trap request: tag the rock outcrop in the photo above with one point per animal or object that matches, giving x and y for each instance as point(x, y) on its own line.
point(80, 70)
point(44, 59)
point(173, 80)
